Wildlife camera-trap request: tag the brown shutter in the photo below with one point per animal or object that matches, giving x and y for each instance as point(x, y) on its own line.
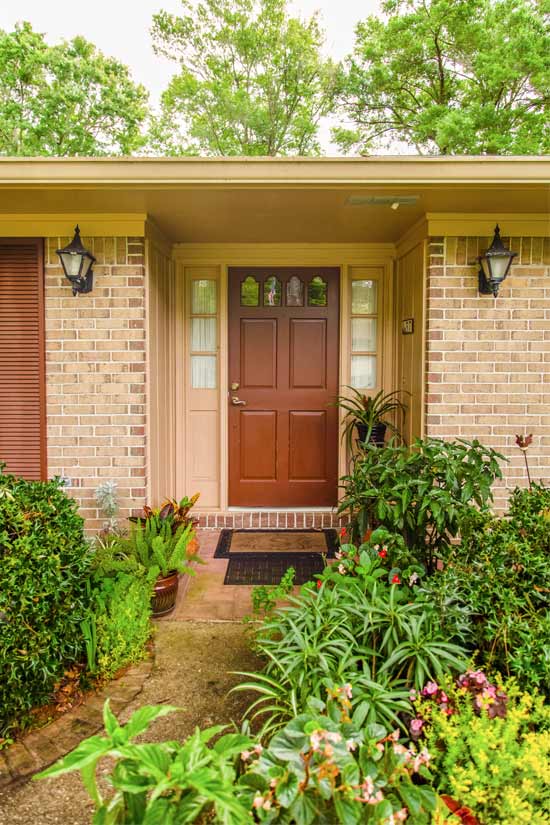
point(22, 359)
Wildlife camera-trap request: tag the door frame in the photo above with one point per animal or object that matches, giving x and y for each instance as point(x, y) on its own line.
point(219, 258)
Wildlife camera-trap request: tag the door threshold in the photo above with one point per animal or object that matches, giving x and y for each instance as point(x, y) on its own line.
point(281, 509)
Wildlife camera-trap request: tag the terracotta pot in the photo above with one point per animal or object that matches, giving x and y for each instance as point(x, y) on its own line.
point(465, 814)
point(164, 594)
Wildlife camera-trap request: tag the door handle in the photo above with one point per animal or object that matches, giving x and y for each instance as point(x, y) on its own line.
point(237, 402)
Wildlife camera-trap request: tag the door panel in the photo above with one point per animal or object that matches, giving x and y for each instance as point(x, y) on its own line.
point(258, 352)
point(307, 430)
point(308, 353)
point(258, 444)
point(283, 357)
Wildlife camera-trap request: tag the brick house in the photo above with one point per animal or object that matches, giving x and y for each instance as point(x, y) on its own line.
point(234, 298)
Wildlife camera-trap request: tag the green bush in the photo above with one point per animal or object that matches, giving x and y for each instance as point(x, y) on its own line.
point(121, 610)
point(500, 575)
point(44, 566)
point(420, 493)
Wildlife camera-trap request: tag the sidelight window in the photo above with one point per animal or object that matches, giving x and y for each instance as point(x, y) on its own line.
point(364, 334)
point(204, 334)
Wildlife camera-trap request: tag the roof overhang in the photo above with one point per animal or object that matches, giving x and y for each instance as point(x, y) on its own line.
point(275, 200)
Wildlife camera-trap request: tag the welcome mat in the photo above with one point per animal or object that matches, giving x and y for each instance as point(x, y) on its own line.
point(264, 556)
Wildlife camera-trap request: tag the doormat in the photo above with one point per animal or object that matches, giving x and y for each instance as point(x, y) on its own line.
point(269, 568)
point(264, 556)
point(246, 542)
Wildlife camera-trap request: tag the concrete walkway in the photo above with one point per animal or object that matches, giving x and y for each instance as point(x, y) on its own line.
point(205, 596)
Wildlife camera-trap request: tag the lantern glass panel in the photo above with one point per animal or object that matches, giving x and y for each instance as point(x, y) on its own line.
point(71, 264)
point(499, 267)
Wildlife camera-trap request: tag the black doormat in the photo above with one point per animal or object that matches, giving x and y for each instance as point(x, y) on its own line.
point(269, 568)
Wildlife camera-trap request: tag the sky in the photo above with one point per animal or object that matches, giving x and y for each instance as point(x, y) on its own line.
point(120, 28)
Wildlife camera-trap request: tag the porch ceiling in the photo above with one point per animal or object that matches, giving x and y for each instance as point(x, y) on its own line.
point(277, 201)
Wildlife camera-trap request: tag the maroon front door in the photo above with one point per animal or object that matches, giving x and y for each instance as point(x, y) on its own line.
point(283, 379)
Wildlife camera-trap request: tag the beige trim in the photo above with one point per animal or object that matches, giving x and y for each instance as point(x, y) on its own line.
point(62, 225)
point(284, 172)
point(452, 224)
point(283, 254)
point(412, 237)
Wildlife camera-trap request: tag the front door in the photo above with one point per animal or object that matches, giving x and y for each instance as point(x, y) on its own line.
point(283, 380)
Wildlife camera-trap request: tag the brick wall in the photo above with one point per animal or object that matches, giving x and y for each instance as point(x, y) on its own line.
point(488, 368)
point(95, 374)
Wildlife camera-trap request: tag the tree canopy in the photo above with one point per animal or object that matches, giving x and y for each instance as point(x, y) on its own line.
point(67, 99)
point(252, 80)
point(450, 77)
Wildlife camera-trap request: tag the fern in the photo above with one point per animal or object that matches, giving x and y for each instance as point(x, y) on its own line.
point(178, 556)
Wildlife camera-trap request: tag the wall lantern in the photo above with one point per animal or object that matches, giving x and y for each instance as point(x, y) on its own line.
point(495, 265)
point(77, 264)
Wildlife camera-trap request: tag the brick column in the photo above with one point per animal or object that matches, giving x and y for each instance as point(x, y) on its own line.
point(95, 375)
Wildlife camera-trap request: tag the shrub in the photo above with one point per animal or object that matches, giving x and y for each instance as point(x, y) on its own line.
point(496, 766)
point(44, 565)
point(500, 573)
point(420, 493)
point(360, 623)
point(120, 613)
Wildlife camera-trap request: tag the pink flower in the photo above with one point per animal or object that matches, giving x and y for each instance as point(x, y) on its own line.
point(430, 689)
point(341, 569)
point(402, 815)
point(416, 726)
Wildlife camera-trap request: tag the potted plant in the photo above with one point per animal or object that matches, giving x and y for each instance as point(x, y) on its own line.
point(163, 551)
point(370, 415)
point(173, 512)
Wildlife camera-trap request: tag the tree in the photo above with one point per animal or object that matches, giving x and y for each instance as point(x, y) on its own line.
point(451, 77)
point(252, 80)
point(67, 99)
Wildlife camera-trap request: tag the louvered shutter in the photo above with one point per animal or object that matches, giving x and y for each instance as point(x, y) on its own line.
point(22, 367)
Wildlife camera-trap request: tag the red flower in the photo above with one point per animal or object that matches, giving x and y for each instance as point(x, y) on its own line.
point(343, 533)
point(319, 583)
point(383, 553)
point(396, 579)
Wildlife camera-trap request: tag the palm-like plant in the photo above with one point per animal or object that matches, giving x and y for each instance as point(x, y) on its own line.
point(367, 412)
point(155, 546)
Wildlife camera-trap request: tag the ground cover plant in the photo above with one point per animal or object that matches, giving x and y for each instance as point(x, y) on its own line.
point(490, 747)
point(44, 568)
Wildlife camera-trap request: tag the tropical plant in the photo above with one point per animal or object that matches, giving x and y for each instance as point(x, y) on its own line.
point(358, 624)
point(172, 512)
point(369, 411)
point(450, 77)
point(252, 80)
point(494, 764)
point(162, 782)
point(421, 493)
point(65, 100)
point(44, 568)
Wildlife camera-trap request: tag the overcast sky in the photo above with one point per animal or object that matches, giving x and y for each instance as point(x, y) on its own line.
point(121, 27)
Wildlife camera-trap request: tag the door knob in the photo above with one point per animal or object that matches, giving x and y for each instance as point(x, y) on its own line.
point(237, 402)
